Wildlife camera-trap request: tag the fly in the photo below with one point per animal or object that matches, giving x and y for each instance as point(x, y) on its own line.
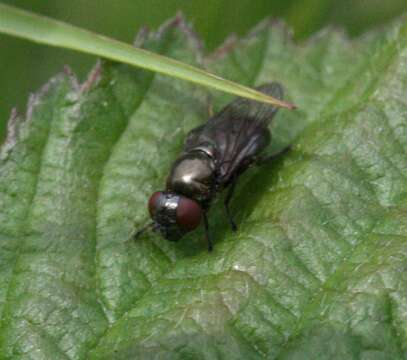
point(215, 155)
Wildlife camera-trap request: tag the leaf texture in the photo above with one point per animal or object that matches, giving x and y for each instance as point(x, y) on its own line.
point(318, 266)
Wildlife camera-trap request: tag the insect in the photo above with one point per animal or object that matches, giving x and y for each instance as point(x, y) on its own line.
point(215, 155)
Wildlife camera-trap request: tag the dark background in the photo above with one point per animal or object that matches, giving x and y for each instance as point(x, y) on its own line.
point(25, 66)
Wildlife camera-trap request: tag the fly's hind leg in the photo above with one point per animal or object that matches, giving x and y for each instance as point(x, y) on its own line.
point(210, 109)
point(226, 203)
point(209, 106)
point(207, 235)
point(272, 157)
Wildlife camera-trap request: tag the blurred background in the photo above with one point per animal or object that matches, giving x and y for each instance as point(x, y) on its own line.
point(25, 66)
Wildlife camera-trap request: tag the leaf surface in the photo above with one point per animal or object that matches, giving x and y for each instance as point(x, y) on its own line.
point(317, 268)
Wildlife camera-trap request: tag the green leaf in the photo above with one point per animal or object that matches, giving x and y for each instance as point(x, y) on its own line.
point(41, 29)
point(318, 267)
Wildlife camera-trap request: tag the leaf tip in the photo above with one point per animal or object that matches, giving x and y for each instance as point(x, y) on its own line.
point(280, 103)
point(290, 106)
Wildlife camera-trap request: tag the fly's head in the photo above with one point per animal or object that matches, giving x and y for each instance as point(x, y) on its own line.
point(174, 215)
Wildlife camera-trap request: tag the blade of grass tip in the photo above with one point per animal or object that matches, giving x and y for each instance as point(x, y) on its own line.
point(41, 29)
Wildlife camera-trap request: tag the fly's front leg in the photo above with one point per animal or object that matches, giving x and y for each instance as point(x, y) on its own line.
point(272, 157)
point(226, 203)
point(207, 235)
point(142, 230)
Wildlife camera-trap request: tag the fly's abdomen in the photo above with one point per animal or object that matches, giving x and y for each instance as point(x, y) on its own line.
point(193, 175)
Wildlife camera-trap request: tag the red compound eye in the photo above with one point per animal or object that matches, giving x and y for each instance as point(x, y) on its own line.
point(189, 214)
point(152, 202)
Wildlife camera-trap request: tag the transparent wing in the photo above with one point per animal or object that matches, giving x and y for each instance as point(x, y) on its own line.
point(237, 133)
point(257, 112)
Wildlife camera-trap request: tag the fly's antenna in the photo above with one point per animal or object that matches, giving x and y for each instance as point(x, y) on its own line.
point(142, 230)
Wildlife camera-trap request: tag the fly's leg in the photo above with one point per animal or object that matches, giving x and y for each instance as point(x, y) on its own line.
point(142, 230)
point(210, 110)
point(272, 157)
point(209, 105)
point(226, 203)
point(207, 236)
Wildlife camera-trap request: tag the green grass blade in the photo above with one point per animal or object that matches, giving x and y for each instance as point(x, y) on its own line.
point(44, 30)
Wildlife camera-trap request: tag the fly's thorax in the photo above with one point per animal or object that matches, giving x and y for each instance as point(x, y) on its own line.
point(193, 175)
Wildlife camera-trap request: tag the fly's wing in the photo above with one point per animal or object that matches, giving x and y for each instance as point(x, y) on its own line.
point(237, 133)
